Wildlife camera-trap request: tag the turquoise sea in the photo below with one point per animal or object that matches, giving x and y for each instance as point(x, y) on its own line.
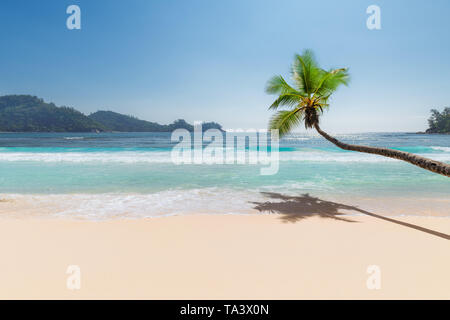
point(109, 175)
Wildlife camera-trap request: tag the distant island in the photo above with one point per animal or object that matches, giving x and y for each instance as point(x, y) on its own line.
point(26, 113)
point(439, 122)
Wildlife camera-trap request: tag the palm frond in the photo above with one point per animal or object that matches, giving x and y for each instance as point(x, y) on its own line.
point(284, 121)
point(331, 80)
point(288, 100)
point(277, 85)
point(306, 72)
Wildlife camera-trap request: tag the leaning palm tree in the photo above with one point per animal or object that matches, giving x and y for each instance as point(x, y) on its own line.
point(307, 101)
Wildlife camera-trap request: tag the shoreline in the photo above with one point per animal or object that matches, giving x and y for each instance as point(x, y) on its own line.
point(111, 206)
point(225, 257)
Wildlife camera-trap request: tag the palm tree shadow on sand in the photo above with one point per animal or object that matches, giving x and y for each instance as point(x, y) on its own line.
point(296, 208)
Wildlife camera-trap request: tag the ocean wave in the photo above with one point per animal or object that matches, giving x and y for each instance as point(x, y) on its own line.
point(73, 138)
point(165, 157)
point(351, 157)
point(164, 203)
point(445, 149)
point(296, 138)
point(201, 201)
point(82, 157)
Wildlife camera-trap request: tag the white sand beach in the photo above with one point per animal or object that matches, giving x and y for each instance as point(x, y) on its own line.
point(258, 256)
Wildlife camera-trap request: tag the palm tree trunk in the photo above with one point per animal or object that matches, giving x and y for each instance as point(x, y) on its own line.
point(424, 163)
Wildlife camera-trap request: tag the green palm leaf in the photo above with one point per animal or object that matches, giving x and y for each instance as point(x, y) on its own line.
point(288, 100)
point(277, 85)
point(306, 72)
point(330, 81)
point(284, 121)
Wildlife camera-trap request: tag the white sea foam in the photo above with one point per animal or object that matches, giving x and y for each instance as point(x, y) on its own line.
point(296, 138)
point(124, 157)
point(164, 203)
point(73, 138)
point(164, 157)
point(445, 149)
point(205, 201)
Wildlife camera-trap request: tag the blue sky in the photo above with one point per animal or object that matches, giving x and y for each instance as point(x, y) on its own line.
point(210, 60)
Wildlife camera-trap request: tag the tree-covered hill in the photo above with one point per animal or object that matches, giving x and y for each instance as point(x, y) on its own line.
point(120, 122)
point(114, 121)
point(25, 113)
point(439, 122)
point(29, 113)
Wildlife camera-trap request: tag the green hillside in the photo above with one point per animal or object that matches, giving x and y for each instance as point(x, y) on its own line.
point(119, 122)
point(25, 113)
point(29, 113)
